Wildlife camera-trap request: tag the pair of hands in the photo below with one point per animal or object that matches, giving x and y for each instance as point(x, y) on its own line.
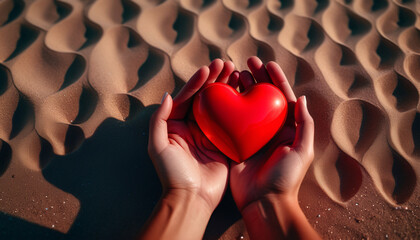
point(188, 163)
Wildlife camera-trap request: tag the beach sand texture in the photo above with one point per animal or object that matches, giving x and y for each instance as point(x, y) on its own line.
point(80, 79)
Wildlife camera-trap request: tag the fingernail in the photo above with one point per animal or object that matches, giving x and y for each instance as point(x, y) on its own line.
point(304, 100)
point(164, 97)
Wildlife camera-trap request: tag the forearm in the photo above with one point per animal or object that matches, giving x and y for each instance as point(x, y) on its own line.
point(178, 215)
point(277, 217)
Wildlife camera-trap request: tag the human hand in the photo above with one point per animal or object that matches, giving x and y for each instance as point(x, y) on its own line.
point(265, 186)
point(184, 158)
point(280, 166)
point(192, 171)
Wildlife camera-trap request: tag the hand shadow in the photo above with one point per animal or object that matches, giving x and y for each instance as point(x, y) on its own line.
point(113, 177)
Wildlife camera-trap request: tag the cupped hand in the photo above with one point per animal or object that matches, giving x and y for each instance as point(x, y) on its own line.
point(278, 168)
point(184, 158)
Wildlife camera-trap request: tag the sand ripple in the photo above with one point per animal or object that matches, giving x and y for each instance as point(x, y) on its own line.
point(66, 66)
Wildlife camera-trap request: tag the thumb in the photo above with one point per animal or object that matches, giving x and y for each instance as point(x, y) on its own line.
point(304, 140)
point(158, 129)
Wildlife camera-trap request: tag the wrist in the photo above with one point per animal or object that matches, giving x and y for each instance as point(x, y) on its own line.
point(270, 204)
point(273, 216)
point(187, 200)
point(180, 214)
point(272, 199)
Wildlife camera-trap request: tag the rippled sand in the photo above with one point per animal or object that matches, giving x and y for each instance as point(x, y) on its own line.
point(80, 79)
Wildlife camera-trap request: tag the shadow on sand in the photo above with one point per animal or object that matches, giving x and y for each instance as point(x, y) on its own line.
point(115, 181)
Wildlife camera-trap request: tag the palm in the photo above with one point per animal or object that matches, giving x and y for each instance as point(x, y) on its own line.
point(206, 168)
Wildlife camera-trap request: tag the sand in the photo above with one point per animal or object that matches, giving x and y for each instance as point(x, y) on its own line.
point(80, 79)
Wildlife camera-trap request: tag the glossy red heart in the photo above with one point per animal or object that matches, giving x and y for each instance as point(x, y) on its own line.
point(240, 124)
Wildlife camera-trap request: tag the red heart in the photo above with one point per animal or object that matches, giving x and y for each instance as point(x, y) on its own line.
point(240, 124)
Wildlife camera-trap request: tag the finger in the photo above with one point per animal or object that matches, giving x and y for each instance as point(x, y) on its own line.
point(204, 146)
point(245, 80)
point(258, 70)
point(234, 79)
point(280, 80)
point(304, 140)
point(158, 130)
point(200, 139)
point(182, 101)
point(216, 67)
point(209, 145)
point(228, 68)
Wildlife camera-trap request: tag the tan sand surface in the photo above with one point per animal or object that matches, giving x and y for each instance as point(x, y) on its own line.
point(80, 79)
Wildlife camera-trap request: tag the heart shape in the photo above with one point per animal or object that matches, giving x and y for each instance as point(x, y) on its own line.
point(240, 124)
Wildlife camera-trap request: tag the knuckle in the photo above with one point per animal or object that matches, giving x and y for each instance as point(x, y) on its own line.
point(153, 118)
point(310, 121)
point(273, 63)
point(307, 153)
point(310, 154)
